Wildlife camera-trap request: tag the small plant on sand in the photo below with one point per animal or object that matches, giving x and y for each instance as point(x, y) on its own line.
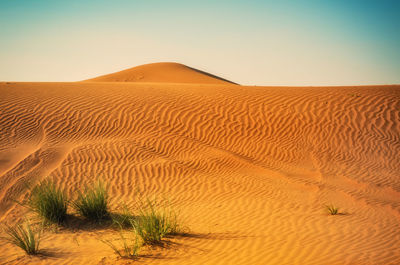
point(153, 223)
point(128, 248)
point(93, 203)
point(48, 201)
point(332, 210)
point(24, 237)
point(122, 219)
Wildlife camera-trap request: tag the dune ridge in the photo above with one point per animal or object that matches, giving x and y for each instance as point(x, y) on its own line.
point(166, 72)
point(250, 168)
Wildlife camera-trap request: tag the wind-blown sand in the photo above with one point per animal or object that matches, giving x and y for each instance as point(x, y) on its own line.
point(250, 168)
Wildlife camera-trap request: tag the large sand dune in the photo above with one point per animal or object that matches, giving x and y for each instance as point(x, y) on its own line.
point(250, 168)
point(162, 73)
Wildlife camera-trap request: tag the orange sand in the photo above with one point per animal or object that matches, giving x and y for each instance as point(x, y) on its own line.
point(250, 168)
point(162, 73)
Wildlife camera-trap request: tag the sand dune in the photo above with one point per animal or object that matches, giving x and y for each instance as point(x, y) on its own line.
point(250, 168)
point(162, 73)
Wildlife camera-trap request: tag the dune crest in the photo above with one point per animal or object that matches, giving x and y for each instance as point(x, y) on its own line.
point(161, 73)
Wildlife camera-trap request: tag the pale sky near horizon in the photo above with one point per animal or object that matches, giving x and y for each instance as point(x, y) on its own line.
point(303, 42)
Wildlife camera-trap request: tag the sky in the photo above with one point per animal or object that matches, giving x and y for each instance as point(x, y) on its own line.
point(294, 43)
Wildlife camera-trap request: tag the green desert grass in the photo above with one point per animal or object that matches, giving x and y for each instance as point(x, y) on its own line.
point(332, 210)
point(48, 201)
point(24, 237)
point(122, 219)
point(93, 203)
point(154, 223)
point(127, 248)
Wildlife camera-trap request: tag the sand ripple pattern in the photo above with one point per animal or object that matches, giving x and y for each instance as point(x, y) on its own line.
point(250, 168)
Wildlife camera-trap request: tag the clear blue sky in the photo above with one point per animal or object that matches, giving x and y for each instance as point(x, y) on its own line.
point(298, 42)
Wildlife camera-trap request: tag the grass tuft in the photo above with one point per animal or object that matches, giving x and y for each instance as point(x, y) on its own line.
point(93, 204)
point(24, 237)
point(332, 210)
point(155, 223)
point(129, 249)
point(48, 201)
point(123, 219)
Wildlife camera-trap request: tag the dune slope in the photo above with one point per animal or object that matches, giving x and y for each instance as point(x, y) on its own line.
point(250, 168)
point(162, 73)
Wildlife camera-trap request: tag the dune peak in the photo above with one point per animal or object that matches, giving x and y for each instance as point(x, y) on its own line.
point(163, 72)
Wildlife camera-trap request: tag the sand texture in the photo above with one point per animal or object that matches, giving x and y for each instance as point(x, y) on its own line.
point(249, 168)
point(162, 73)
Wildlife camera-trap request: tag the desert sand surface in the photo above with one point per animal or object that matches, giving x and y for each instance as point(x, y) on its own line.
point(165, 72)
point(249, 168)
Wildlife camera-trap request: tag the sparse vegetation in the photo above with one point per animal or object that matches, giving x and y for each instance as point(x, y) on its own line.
point(93, 203)
point(130, 247)
point(48, 201)
point(155, 220)
point(123, 219)
point(332, 210)
point(24, 237)
point(153, 224)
